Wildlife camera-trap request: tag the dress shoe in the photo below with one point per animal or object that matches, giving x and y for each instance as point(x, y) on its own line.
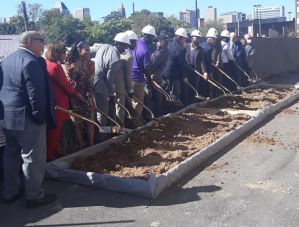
point(34, 203)
point(13, 199)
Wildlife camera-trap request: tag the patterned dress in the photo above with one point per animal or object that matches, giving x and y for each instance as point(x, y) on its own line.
point(83, 79)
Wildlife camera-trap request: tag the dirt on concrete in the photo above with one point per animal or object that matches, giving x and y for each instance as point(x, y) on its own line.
point(156, 149)
point(252, 99)
point(261, 138)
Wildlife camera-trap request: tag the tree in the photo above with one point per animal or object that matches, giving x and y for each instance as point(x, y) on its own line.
point(34, 13)
point(64, 28)
point(218, 25)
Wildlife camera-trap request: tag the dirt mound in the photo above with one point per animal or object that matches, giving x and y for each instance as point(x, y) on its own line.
point(158, 148)
point(252, 99)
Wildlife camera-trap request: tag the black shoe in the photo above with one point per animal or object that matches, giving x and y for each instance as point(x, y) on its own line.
point(13, 199)
point(34, 203)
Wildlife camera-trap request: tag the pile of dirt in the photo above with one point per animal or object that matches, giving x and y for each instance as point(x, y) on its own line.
point(158, 148)
point(253, 99)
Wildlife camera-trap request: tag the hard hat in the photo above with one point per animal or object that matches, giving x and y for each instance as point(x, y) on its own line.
point(225, 33)
point(150, 30)
point(181, 32)
point(196, 33)
point(132, 35)
point(212, 33)
point(122, 38)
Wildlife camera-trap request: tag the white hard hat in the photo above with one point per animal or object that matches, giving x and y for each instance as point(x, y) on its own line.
point(122, 38)
point(225, 33)
point(132, 35)
point(181, 32)
point(196, 33)
point(212, 33)
point(150, 30)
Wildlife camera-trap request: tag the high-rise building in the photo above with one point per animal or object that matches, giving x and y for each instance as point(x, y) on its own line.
point(267, 12)
point(231, 17)
point(82, 13)
point(189, 16)
point(297, 17)
point(158, 14)
point(122, 10)
point(210, 14)
point(61, 7)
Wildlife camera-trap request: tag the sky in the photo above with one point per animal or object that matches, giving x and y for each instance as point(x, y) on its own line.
point(100, 8)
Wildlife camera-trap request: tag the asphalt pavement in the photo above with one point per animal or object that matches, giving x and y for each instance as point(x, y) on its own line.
point(252, 183)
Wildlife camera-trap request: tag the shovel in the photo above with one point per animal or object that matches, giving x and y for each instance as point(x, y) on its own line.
point(197, 96)
point(167, 96)
point(144, 106)
point(208, 80)
point(125, 109)
point(227, 76)
point(116, 129)
point(230, 78)
point(243, 71)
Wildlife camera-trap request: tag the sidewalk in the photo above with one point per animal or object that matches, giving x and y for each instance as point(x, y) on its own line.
point(253, 184)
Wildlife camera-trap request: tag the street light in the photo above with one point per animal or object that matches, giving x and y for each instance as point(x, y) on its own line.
point(259, 17)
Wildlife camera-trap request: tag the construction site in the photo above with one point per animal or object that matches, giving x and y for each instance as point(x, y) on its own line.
point(231, 160)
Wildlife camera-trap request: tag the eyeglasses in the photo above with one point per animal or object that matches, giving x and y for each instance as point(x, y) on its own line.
point(42, 40)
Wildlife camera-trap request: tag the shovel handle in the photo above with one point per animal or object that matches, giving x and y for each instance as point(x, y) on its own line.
point(161, 90)
point(226, 75)
point(144, 106)
point(125, 109)
point(245, 73)
point(79, 116)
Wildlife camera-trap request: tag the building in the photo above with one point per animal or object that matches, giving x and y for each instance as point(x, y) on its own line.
point(61, 7)
point(189, 16)
point(82, 13)
point(158, 14)
point(297, 17)
point(210, 14)
point(273, 27)
point(121, 9)
point(231, 17)
point(267, 12)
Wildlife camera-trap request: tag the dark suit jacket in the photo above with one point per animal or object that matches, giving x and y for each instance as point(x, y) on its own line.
point(175, 66)
point(1, 104)
point(24, 93)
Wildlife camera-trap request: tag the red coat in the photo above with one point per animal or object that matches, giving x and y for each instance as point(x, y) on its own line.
point(61, 88)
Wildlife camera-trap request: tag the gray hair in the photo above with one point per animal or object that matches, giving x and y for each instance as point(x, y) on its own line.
point(26, 36)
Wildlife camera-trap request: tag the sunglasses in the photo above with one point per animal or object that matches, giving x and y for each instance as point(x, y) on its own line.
point(42, 40)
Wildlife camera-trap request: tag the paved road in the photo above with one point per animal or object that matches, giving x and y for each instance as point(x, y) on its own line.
point(252, 184)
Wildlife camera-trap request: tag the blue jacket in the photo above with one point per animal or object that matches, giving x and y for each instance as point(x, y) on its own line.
point(24, 91)
point(207, 53)
point(240, 54)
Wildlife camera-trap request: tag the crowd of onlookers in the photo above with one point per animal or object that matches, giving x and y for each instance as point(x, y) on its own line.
point(143, 77)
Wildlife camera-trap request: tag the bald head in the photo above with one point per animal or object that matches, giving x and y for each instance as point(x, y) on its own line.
point(33, 41)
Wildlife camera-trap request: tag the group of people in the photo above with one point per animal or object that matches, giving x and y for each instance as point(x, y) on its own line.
point(40, 86)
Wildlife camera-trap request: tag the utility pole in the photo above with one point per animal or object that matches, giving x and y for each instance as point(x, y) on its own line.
point(25, 16)
point(133, 7)
point(196, 12)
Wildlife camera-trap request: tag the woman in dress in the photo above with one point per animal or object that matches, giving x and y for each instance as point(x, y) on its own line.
point(80, 69)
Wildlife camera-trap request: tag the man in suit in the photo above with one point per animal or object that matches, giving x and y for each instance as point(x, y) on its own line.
point(25, 97)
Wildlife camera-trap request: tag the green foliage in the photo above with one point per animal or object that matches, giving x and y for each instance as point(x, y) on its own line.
point(212, 24)
point(65, 28)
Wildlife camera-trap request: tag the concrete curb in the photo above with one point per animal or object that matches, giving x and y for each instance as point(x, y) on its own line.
point(59, 169)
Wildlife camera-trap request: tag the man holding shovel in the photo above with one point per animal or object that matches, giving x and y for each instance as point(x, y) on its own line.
point(107, 66)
